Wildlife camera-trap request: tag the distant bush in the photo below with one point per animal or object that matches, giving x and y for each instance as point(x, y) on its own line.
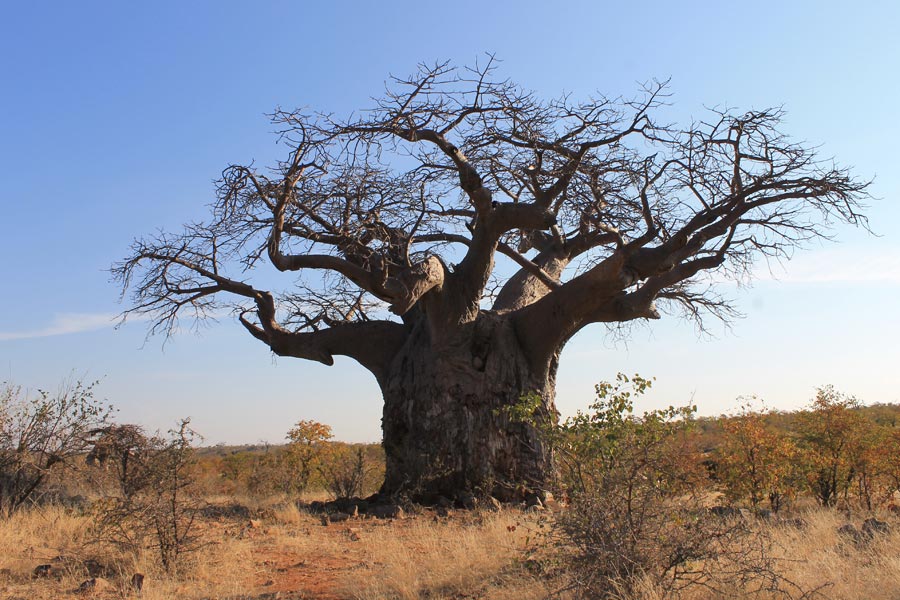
point(303, 457)
point(757, 462)
point(40, 433)
point(310, 460)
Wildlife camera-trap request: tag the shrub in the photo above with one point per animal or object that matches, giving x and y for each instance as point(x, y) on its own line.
point(636, 487)
point(756, 462)
point(43, 432)
point(347, 472)
point(304, 454)
point(832, 433)
point(155, 505)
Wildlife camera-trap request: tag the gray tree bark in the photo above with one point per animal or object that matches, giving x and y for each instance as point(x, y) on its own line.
point(446, 427)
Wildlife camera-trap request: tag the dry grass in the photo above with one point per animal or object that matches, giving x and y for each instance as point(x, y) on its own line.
point(817, 556)
point(817, 561)
point(478, 556)
point(466, 556)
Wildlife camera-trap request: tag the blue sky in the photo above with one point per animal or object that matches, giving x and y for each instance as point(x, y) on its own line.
point(116, 117)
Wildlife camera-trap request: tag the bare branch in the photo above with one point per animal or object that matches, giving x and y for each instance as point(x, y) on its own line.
point(398, 208)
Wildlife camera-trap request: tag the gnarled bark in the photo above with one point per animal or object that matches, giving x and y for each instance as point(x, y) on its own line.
point(446, 425)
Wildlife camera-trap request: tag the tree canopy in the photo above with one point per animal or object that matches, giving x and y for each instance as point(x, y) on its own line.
point(607, 214)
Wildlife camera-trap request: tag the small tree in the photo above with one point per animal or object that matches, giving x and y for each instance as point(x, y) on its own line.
point(890, 461)
point(40, 432)
point(173, 506)
point(755, 462)
point(625, 475)
point(831, 433)
point(307, 444)
point(874, 462)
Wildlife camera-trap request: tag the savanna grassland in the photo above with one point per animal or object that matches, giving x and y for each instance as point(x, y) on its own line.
point(288, 553)
point(660, 505)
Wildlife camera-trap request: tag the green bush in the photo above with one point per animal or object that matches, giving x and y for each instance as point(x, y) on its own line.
point(636, 488)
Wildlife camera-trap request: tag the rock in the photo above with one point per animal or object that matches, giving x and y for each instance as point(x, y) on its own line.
point(493, 504)
point(796, 523)
point(730, 512)
point(94, 585)
point(851, 534)
point(338, 517)
point(137, 581)
point(533, 500)
point(466, 500)
point(42, 571)
point(872, 527)
point(351, 506)
point(386, 511)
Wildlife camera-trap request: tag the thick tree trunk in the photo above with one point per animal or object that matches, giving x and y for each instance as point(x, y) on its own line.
point(445, 427)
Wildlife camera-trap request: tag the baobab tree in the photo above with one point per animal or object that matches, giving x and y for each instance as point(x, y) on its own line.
point(452, 238)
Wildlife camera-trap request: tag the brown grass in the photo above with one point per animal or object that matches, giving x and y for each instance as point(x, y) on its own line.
point(476, 556)
point(815, 560)
point(468, 555)
point(817, 556)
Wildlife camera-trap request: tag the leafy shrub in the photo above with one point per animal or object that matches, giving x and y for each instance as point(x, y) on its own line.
point(832, 435)
point(755, 462)
point(304, 455)
point(636, 487)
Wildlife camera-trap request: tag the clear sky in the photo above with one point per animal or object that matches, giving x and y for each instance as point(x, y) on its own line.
point(115, 117)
